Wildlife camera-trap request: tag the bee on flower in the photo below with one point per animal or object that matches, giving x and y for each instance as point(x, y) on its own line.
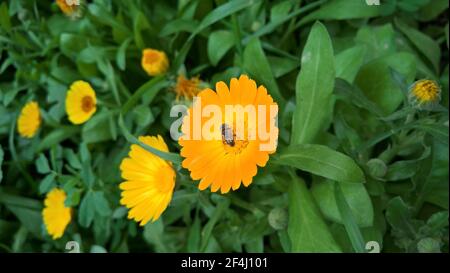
point(233, 153)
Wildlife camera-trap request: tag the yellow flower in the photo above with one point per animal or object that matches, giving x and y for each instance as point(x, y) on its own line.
point(154, 62)
point(188, 88)
point(69, 7)
point(81, 102)
point(56, 215)
point(29, 120)
point(424, 93)
point(231, 156)
point(149, 181)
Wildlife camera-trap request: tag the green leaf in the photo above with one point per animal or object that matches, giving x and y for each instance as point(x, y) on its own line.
point(72, 158)
point(438, 131)
point(101, 204)
point(98, 128)
point(42, 164)
point(274, 24)
point(193, 239)
point(57, 136)
point(281, 65)
point(426, 45)
point(378, 40)
point(348, 62)
point(87, 209)
point(19, 201)
point(405, 228)
point(342, 10)
point(72, 44)
point(433, 9)
point(356, 197)
point(175, 158)
point(105, 17)
point(151, 88)
point(121, 54)
point(446, 37)
point(348, 218)
point(47, 183)
point(214, 16)
point(140, 23)
point(375, 80)
point(307, 230)
point(27, 210)
point(208, 228)
point(258, 68)
point(179, 25)
point(322, 161)
point(97, 249)
point(30, 219)
point(1, 162)
point(314, 86)
point(153, 234)
point(223, 11)
point(354, 95)
point(431, 179)
point(219, 42)
point(5, 22)
point(404, 169)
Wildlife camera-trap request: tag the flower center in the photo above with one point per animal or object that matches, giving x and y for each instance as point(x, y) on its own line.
point(87, 104)
point(426, 91)
point(231, 144)
point(151, 57)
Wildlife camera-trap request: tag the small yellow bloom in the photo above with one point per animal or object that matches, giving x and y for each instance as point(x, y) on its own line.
point(56, 215)
point(149, 181)
point(29, 120)
point(424, 93)
point(81, 102)
point(154, 62)
point(188, 88)
point(69, 7)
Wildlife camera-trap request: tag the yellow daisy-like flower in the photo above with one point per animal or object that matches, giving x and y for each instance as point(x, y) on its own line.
point(188, 88)
point(81, 102)
point(69, 7)
point(154, 62)
point(29, 120)
point(424, 93)
point(56, 215)
point(149, 183)
point(229, 157)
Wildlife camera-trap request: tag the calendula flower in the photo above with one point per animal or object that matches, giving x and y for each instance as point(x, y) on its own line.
point(70, 7)
point(81, 102)
point(149, 181)
point(154, 62)
point(230, 154)
point(56, 215)
point(188, 88)
point(29, 120)
point(424, 94)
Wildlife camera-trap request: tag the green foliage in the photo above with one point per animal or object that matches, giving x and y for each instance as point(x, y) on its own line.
point(356, 162)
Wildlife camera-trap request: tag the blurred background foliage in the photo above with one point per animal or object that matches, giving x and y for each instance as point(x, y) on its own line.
point(365, 56)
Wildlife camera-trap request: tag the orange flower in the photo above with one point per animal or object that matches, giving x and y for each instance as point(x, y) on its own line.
point(232, 155)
